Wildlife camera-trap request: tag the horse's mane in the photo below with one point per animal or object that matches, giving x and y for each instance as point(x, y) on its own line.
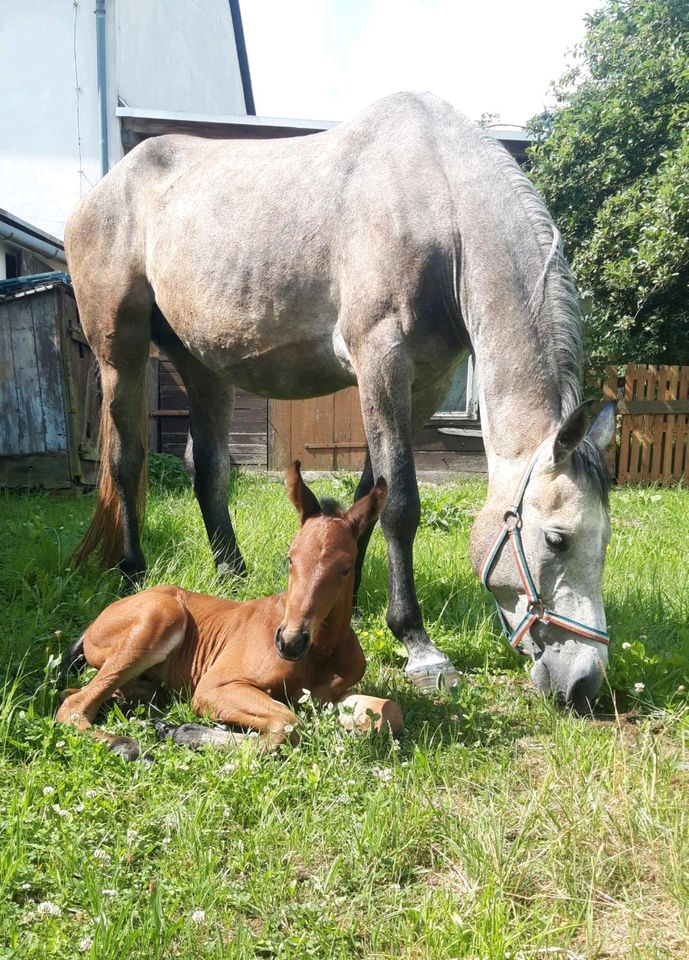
point(553, 303)
point(554, 308)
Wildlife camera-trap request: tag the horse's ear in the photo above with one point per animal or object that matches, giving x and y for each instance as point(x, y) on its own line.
point(305, 500)
point(602, 430)
point(572, 432)
point(366, 510)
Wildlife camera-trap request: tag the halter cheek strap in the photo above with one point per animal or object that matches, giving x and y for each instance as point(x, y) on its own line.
point(535, 608)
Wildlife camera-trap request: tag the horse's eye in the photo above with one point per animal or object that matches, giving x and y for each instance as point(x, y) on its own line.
point(288, 560)
point(556, 541)
point(346, 572)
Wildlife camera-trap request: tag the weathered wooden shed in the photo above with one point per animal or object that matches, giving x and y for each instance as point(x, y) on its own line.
point(49, 407)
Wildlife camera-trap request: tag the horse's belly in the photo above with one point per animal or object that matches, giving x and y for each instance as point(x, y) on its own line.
point(271, 354)
point(296, 371)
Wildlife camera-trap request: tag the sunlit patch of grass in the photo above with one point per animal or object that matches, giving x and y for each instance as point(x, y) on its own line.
point(496, 827)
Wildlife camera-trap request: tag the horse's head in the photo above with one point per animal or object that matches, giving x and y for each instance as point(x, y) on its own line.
point(321, 562)
point(539, 545)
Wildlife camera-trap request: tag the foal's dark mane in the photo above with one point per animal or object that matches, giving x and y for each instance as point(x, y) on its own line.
point(331, 508)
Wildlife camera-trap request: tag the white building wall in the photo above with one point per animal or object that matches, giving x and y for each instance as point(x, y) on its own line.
point(177, 56)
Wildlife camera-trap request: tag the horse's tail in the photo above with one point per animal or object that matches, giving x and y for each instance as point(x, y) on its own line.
point(73, 659)
point(105, 530)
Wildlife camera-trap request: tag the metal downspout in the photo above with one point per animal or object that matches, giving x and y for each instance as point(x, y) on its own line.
point(102, 88)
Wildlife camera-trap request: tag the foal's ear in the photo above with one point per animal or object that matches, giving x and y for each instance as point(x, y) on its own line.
point(304, 500)
point(366, 511)
point(572, 432)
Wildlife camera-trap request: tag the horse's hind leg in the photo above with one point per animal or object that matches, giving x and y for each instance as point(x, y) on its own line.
point(120, 338)
point(211, 405)
point(390, 416)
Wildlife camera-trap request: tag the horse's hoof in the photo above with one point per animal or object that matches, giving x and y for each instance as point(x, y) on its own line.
point(433, 673)
point(228, 571)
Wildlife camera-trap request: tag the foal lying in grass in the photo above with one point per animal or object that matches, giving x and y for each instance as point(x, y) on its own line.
point(243, 662)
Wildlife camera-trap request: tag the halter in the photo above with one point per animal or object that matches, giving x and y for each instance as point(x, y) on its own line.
point(535, 608)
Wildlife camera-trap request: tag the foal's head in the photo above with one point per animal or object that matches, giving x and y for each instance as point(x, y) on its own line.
point(321, 561)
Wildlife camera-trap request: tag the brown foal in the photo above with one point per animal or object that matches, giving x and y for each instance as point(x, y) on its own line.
point(244, 662)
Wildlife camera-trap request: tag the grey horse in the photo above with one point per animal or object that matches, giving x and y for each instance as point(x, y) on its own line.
point(377, 253)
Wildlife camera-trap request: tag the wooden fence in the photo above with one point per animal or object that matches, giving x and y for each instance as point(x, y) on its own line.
point(653, 437)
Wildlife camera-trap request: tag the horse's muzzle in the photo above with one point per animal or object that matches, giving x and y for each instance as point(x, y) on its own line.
point(294, 646)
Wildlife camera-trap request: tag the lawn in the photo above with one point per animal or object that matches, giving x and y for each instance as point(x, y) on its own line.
point(496, 827)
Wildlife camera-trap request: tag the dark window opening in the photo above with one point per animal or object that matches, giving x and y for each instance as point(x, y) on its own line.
point(11, 265)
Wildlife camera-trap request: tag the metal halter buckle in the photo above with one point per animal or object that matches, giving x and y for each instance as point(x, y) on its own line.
point(512, 519)
point(537, 608)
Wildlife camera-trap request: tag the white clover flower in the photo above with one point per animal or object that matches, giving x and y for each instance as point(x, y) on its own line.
point(48, 909)
point(109, 892)
point(59, 811)
point(226, 812)
point(166, 840)
point(48, 790)
point(681, 688)
point(102, 855)
point(639, 687)
point(91, 794)
point(198, 916)
point(626, 646)
point(25, 886)
point(132, 835)
point(60, 744)
point(79, 808)
point(289, 727)
point(395, 744)
point(85, 944)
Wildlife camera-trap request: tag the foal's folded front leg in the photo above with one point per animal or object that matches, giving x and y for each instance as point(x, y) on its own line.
point(244, 705)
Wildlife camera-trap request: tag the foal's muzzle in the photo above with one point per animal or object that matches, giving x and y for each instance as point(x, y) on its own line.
point(292, 646)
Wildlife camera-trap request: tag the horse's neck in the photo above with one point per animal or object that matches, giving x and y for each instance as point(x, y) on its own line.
point(520, 407)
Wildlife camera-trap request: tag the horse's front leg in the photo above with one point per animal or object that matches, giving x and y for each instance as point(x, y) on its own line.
point(385, 384)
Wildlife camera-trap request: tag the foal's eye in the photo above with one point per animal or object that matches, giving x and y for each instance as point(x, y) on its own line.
point(288, 561)
point(346, 572)
point(556, 541)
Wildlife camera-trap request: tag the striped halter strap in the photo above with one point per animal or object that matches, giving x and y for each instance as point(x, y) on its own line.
point(535, 607)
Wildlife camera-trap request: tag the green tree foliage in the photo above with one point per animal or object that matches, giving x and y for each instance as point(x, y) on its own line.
point(612, 162)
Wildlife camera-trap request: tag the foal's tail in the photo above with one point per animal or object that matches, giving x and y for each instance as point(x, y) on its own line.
point(105, 530)
point(73, 659)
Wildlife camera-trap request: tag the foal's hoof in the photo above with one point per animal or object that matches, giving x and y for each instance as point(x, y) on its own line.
point(431, 672)
point(128, 748)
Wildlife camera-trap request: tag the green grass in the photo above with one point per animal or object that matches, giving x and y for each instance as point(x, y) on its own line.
point(496, 827)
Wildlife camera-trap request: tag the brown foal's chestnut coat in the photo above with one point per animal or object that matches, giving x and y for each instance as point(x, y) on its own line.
point(226, 653)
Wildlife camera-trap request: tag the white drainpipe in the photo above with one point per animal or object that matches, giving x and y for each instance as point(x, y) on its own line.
point(22, 239)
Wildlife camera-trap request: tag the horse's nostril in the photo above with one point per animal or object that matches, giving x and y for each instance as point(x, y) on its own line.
point(581, 695)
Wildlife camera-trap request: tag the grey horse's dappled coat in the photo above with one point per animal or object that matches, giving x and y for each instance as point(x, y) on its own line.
point(376, 253)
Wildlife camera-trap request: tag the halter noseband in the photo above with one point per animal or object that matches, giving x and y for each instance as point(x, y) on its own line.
point(535, 608)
